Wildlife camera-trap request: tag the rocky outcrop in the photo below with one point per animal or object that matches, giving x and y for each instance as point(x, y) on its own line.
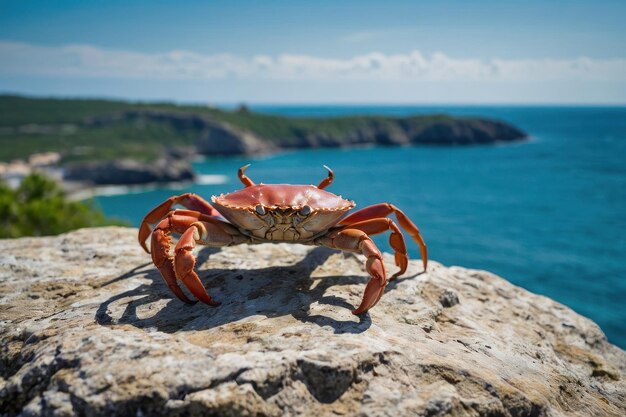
point(224, 139)
point(221, 138)
point(129, 172)
point(409, 131)
point(464, 132)
point(87, 327)
point(214, 137)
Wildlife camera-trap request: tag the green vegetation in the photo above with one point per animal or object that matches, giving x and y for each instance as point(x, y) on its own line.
point(39, 207)
point(30, 125)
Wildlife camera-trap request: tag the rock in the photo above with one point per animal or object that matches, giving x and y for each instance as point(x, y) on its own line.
point(187, 153)
point(435, 130)
point(215, 137)
point(87, 327)
point(465, 132)
point(128, 172)
point(449, 298)
point(224, 139)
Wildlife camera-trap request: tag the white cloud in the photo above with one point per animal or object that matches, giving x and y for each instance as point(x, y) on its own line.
point(90, 61)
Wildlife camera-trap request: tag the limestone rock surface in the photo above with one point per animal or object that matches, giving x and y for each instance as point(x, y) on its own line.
point(87, 327)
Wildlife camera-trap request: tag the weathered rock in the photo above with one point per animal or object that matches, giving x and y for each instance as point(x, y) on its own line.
point(87, 327)
point(224, 139)
point(128, 172)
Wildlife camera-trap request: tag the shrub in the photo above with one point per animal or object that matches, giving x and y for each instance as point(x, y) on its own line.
point(39, 207)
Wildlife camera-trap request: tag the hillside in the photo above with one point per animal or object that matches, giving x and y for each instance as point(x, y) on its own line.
point(83, 130)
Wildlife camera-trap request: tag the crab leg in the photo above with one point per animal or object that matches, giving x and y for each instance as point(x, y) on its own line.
point(160, 249)
point(215, 233)
point(353, 240)
point(383, 210)
point(243, 178)
point(184, 262)
point(208, 233)
point(328, 180)
point(396, 240)
point(188, 200)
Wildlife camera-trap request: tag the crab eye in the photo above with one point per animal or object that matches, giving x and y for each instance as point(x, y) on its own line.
point(305, 211)
point(260, 210)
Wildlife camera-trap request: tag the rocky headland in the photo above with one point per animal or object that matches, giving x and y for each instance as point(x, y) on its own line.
point(110, 142)
point(87, 327)
point(128, 171)
point(226, 138)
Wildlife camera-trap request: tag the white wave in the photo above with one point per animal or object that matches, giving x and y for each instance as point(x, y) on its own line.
point(211, 179)
point(113, 190)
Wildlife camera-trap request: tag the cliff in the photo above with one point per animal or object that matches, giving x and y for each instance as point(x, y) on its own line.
point(247, 133)
point(87, 327)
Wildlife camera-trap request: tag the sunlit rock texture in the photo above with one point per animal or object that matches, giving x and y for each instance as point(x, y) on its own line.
point(87, 327)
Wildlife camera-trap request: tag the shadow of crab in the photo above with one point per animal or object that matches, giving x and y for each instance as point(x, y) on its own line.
point(270, 292)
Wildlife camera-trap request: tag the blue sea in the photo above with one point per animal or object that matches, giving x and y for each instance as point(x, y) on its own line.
point(548, 214)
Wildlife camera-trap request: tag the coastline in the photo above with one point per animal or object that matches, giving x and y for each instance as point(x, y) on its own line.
point(83, 191)
point(86, 135)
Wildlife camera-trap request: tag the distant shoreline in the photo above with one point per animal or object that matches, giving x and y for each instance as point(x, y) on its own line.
point(83, 191)
point(102, 142)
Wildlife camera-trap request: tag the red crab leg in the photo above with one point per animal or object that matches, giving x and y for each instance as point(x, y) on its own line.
point(243, 178)
point(357, 241)
point(184, 262)
point(396, 240)
point(205, 232)
point(328, 180)
point(383, 210)
point(160, 250)
point(188, 200)
point(217, 233)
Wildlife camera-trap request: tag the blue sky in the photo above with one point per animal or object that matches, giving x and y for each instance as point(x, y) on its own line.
point(317, 51)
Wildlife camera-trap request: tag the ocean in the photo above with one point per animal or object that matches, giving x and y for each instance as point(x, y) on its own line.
point(548, 214)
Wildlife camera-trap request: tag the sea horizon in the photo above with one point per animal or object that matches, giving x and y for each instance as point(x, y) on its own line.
point(261, 103)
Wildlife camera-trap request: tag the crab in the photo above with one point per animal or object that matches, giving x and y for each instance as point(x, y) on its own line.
point(260, 213)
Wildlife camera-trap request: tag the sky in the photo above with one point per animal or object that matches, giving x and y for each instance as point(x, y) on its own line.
point(361, 52)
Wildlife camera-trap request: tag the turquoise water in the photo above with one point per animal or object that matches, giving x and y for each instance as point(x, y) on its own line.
point(548, 214)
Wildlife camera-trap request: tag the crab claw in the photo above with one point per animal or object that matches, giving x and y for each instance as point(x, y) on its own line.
point(184, 262)
point(188, 200)
point(160, 247)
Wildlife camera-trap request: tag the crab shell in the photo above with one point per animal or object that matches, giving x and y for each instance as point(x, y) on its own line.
point(282, 212)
